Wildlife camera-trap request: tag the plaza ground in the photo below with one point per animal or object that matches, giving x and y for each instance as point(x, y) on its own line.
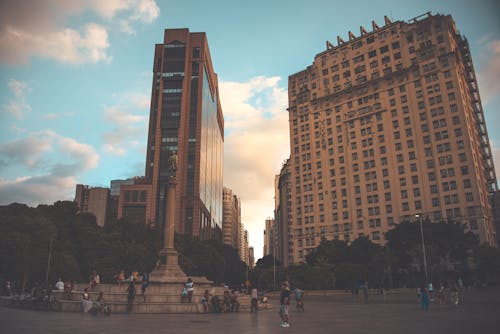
point(341, 313)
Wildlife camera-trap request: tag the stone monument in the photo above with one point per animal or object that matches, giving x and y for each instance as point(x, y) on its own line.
point(167, 270)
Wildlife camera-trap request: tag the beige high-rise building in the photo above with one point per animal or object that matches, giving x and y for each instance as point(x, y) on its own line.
point(93, 200)
point(283, 215)
point(231, 220)
point(384, 126)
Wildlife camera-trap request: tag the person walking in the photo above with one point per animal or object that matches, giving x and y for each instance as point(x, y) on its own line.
point(284, 302)
point(130, 296)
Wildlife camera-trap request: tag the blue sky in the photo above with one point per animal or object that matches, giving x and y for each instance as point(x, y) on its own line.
point(75, 80)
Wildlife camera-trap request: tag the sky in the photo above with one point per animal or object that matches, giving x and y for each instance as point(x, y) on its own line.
point(75, 84)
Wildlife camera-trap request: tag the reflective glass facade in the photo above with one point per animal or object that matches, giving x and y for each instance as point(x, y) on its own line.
point(210, 158)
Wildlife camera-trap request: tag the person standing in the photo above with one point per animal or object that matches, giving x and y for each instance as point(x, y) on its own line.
point(365, 292)
point(284, 302)
point(254, 294)
point(424, 298)
point(190, 289)
point(144, 285)
point(130, 296)
point(299, 294)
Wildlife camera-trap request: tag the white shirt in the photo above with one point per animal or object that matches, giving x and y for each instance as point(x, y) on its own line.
point(60, 285)
point(255, 293)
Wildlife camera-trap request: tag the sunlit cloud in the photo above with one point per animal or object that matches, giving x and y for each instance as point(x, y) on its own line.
point(129, 119)
point(38, 30)
point(489, 73)
point(255, 145)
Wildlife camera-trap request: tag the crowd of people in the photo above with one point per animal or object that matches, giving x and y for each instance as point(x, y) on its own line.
point(449, 292)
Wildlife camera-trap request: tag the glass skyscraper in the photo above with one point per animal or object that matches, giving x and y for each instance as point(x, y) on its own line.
point(186, 118)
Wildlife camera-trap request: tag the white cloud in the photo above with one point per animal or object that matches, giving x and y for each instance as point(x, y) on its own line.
point(495, 151)
point(256, 144)
point(41, 30)
point(51, 163)
point(489, 73)
point(33, 190)
point(17, 105)
point(129, 119)
point(53, 116)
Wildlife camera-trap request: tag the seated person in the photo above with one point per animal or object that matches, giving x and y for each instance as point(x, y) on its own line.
point(86, 302)
point(184, 295)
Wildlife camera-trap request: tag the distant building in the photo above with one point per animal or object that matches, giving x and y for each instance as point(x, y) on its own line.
point(93, 200)
point(269, 238)
point(135, 201)
point(282, 213)
point(115, 185)
point(231, 219)
point(384, 126)
point(244, 253)
point(251, 258)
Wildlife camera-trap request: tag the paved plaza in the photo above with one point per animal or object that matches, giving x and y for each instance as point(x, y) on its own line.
point(398, 313)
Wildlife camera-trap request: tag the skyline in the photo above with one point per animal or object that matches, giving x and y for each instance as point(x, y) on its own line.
point(84, 82)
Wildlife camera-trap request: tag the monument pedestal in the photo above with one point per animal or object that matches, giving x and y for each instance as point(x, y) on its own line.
point(168, 270)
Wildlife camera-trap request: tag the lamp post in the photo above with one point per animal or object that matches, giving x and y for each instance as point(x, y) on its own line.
point(419, 217)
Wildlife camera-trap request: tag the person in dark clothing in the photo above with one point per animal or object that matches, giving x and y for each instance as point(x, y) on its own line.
point(130, 296)
point(284, 302)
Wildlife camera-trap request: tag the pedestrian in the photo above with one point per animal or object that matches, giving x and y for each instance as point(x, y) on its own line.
point(144, 285)
point(284, 302)
point(431, 291)
point(365, 292)
point(190, 289)
point(226, 301)
point(254, 294)
point(299, 294)
point(8, 288)
point(441, 294)
point(235, 304)
point(130, 296)
point(424, 298)
point(60, 285)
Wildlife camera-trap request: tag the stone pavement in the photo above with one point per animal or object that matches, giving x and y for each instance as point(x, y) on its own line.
point(399, 313)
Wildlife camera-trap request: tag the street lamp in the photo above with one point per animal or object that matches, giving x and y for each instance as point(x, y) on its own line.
point(419, 217)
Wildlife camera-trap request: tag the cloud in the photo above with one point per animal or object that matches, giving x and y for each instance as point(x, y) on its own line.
point(495, 151)
point(51, 164)
point(54, 116)
point(255, 145)
point(129, 119)
point(33, 190)
point(40, 28)
point(489, 73)
point(17, 105)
